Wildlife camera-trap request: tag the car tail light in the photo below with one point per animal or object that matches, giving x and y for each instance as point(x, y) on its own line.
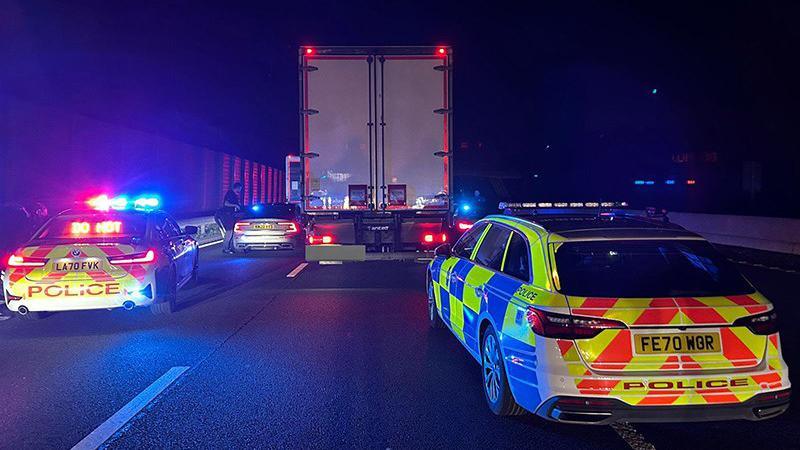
point(239, 226)
point(325, 239)
point(463, 225)
point(761, 324)
point(291, 227)
point(429, 238)
point(567, 326)
point(26, 261)
point(134, 258)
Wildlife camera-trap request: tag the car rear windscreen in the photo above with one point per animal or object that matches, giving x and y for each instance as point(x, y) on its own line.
point(646, 268)
point(272, 211)
point(94, 226)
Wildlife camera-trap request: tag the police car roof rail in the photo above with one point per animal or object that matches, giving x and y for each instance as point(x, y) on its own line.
point(591, 208)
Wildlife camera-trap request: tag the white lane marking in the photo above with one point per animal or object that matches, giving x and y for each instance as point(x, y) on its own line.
point(101, 434)
point(296, 270)
point(328, 263)
point(209, 244)
point(633, 438)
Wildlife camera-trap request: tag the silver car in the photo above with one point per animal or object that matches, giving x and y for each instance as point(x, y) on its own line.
point(275, 226)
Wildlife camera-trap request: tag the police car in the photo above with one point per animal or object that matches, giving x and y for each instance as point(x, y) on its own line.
point(118, 253)
point(586, 313)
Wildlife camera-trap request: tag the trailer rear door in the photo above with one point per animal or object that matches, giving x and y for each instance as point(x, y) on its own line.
point(375, 117)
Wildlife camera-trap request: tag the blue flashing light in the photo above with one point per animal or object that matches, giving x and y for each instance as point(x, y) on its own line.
point(670, 182)
point(649, 182)
point(146, 203)
point(256, 208)
point(654, 91)
point(466, 207)
point(638, 182)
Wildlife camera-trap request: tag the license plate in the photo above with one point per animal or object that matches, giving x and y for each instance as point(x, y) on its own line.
point(263, 226)
point(653, 344)
point(76, 266)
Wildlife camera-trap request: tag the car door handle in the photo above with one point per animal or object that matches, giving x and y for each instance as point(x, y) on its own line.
point(480, 291)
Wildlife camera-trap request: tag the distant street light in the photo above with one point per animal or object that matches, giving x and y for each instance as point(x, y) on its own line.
point(654, 91)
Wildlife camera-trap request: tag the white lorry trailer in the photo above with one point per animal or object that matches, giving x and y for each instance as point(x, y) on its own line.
point(376, 146)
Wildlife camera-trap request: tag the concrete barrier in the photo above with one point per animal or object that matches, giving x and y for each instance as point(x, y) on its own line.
point(763, 233)
point(208, 230)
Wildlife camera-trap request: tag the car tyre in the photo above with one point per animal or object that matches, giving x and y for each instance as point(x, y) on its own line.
point(193, 280)
point(167, 294)
point(32, 316)
point(436, 322)
point(495, 382)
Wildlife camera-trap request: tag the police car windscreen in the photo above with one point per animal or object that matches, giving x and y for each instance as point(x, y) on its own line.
point(646, 268)
point(277, 211)
point(94, 226)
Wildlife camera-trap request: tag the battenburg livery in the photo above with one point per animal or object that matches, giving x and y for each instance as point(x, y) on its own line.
point(119, 253)
point(584, 313)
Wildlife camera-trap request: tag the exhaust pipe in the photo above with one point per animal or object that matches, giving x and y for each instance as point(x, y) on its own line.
point(22, 310)
point(128, 305)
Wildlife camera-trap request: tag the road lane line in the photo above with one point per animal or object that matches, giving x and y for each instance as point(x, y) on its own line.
point(209, 244)
point(632, 437)
point(107, 429)
point(296, 270)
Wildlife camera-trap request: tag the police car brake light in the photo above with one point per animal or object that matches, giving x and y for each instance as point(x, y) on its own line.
point(134, 258)
point(761, 324)
point(26, 261)
point(567, 326)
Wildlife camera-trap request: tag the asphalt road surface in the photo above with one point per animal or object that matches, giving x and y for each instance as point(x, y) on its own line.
point(338, 356)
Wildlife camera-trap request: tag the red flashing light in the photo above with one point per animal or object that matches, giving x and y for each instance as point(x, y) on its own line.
point(691, 182)
point(325, 239)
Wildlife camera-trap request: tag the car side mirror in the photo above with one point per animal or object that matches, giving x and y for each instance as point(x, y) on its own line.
point(443, 250)
point(191, 230)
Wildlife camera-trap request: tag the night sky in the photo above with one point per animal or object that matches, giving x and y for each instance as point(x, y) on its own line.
point(579, 78)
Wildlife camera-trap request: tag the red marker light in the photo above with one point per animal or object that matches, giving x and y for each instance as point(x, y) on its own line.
point(463, 226)
point(442, 51)
point(314, 240)
point(309, 51)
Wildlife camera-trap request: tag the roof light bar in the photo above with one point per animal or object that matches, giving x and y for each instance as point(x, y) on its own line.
point(534, 205)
